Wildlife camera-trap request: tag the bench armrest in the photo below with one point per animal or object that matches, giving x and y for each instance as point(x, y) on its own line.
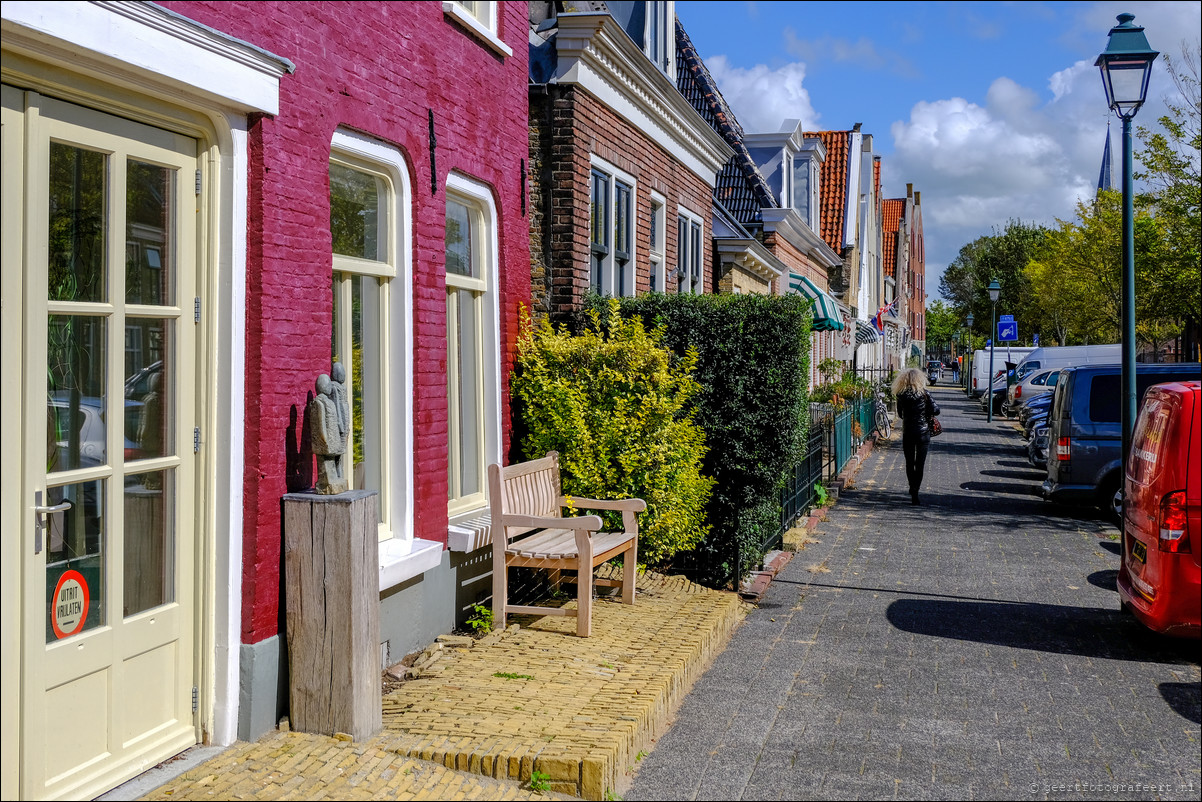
point(631, 504)
point(589, 522)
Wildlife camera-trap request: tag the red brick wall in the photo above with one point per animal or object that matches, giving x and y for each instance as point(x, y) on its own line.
point(375, 67)
point(580, 127)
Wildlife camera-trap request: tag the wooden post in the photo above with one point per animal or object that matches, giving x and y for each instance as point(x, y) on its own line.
point(332, 571)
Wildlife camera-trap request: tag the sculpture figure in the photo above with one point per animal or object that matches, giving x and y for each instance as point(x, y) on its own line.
point(328, 426)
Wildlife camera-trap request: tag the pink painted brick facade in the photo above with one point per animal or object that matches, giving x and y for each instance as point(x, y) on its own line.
point(377, 68)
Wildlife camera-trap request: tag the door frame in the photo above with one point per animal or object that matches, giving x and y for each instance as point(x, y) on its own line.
point(56, 49)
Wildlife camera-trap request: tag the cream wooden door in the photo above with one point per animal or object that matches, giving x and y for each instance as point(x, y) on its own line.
point(108, 356)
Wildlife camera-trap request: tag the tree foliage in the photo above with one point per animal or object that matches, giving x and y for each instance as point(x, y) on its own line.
point(1171, 161)
point(943, 322)
point(615, 404)
point(752, 365)
point(1002, 255)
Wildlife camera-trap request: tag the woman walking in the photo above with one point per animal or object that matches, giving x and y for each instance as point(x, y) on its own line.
point(915, 407)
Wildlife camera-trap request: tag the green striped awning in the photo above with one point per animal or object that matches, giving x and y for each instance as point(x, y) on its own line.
point(826, 311)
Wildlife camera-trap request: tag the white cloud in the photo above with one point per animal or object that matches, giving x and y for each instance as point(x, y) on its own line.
point(979, 166)
point(763, 98)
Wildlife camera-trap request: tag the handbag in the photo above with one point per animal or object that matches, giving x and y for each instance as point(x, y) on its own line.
point(936, 427)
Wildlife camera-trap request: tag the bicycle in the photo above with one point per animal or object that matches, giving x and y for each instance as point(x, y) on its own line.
point(883, 427)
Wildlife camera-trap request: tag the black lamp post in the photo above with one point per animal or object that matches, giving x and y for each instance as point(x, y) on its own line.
point(1126, 67)
point(995, 290)
point(967, 382)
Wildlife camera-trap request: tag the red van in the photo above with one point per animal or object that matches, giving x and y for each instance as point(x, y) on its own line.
point(1159, 577)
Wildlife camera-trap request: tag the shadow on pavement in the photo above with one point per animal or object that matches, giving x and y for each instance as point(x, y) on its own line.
point(1106, 580)
point(1085, 631)
point(1018, 463)
point(1110, 546)
point(1185, 698)
point(1026, 489)
point(1028, 475)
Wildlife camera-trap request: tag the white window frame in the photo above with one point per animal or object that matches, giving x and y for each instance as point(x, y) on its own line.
point(616, 280)
point(656, 249)
point(690, 253)
point(479, 198)
point(660, 36)
point(395, 330)
point(480, 17)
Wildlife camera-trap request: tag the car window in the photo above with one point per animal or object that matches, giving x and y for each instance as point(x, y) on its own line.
point(1054, 378)
point(1027, 369)
point(1149, 440)
point(1105, 397)
point(1040, 380)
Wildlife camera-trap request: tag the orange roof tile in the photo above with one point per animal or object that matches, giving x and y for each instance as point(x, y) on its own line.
point(832, 180)
point(892, 211)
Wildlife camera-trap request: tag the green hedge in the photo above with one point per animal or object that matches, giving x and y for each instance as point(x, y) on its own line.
point(752, 365)
point(613, 402)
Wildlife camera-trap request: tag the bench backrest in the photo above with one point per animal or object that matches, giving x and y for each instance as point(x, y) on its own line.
point(526, 488)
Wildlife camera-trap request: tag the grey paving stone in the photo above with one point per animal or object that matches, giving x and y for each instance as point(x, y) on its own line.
point(962, 649)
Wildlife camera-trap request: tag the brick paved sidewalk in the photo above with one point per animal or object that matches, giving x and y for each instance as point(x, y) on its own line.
point(480, 720)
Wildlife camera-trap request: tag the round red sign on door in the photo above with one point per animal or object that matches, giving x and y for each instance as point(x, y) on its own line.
point(69, 608)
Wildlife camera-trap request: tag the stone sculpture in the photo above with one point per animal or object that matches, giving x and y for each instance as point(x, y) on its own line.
point(329, 426)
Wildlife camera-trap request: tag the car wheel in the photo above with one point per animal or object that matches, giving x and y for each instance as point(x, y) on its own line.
point(1110, 499)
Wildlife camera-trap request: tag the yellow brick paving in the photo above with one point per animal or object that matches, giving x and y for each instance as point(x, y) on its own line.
point(578, 710)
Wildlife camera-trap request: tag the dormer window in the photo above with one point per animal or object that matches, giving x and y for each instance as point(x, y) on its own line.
point(660, 41)
point(804, 197)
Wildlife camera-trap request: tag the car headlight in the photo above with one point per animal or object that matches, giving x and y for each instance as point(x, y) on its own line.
point(1041, 431)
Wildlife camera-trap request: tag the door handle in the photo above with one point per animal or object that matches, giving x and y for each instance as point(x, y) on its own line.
point(39, 523)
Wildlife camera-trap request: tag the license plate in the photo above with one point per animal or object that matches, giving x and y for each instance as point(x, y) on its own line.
point(1139, 551)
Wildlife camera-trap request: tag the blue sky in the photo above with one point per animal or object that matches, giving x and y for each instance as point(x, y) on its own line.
point(993, 110)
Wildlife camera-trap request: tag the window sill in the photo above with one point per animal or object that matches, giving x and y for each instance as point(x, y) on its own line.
point(470, 533)
point(472, 24)
point(402, 559)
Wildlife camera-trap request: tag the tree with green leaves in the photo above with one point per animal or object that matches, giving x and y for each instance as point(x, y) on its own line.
point(1003, 256)
point(1171, 161)
point(942, 324)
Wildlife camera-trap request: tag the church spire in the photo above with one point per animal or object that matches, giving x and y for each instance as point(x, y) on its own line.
point(1105, 176)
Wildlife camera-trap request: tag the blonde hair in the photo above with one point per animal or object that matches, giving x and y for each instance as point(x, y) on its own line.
point(911, 379)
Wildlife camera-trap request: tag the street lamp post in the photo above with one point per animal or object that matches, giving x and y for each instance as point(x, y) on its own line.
point(995, 290)
point(1126, 66)
point(971, 369)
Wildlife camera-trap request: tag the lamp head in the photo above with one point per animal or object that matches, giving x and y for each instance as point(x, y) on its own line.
point(1126, 66)
point(995, 290)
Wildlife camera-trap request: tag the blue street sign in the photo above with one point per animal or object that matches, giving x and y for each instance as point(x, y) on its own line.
point(1006, 318)
point(1007, 332)
point(1036, 340)
point(989, 343)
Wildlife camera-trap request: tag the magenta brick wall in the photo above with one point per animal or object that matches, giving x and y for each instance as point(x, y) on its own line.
point(375, 67)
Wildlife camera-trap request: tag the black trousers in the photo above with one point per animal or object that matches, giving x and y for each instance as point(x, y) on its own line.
point(915, 448)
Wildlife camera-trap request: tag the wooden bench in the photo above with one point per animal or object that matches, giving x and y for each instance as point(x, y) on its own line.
point(528, 530)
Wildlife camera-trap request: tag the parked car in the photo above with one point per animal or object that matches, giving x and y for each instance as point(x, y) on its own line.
point(979, 368)
point(89, 418)
point(1037, 445)
point(1033, 386)
point(1159, 578)
point(1068, 356)
point(1085, 430)
point(1036, 406)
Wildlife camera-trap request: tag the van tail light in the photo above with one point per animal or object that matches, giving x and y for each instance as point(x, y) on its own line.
point(1062, 449)
point(974, 382)
point(1172, 524)
point(1018, 391)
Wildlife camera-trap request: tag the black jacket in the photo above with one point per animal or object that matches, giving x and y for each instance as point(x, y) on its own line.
point(916, 411)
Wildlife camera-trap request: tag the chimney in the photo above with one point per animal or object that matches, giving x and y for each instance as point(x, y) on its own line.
point(855, 129)
point(917, 198)
point(909, 190)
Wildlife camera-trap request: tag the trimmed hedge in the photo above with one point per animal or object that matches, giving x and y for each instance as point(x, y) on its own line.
point(752, 364)
point(613, 402)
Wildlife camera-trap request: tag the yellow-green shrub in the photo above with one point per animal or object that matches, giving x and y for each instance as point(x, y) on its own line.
point(612, 402)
